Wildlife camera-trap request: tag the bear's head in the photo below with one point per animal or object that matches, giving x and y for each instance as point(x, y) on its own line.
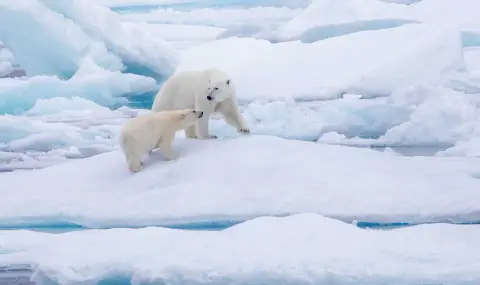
point(187, 117)
point(220, 87)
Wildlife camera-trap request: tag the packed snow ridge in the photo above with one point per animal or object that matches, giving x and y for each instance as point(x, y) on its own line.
point(300, 249)
point(78, 29)
point(305, 177)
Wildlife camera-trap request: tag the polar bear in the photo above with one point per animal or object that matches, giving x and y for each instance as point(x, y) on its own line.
point(145, 133)
point(210, 91)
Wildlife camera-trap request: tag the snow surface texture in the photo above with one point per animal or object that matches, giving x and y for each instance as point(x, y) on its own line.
point(347, 72)
point(305, 177)
point(301, 249)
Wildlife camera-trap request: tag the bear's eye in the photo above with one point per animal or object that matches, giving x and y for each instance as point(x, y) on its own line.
point(228, 82)
point(216, 88)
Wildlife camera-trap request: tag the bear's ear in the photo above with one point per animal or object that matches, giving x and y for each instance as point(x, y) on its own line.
point(228, 82)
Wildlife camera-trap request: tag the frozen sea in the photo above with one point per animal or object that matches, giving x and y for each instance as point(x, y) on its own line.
point(363, 166)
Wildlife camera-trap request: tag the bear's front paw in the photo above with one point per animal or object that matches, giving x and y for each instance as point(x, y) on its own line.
point(171, 156)
point(244, 131)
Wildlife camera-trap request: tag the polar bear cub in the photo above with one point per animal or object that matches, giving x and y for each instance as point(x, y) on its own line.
point(210, 91)
point(145, 133)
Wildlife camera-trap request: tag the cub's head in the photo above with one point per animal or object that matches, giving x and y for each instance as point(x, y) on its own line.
point(187, 117)
point(220, 87)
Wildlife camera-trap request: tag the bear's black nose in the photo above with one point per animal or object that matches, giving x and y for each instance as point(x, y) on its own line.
point(200, 114)
point(209, 97)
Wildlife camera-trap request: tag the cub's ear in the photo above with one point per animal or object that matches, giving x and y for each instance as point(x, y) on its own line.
point(228, 82)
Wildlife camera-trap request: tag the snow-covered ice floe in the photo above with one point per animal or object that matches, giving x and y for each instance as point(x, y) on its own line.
point(367, 63)
point(325, 18)
point(89, 81)
point(300, 249)
point(58, 129)
point(237, 179)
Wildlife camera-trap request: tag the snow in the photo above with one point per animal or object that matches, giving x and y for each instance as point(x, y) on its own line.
point(436, 116)
point(184, 36)
point(335, 13)
point(300, 249)
point(341, 17)
point(472, 59)
point(57, 119)
point(97, 33)
point(373, 66)
point(266, 18)
point(6, 61)
point(464, 148)
point(133, 43)
point(37, 141)
point(319, 82)
point(46, 28)
point(402, 1)
point(90, 82)
point(129, 5)
point(306, 177)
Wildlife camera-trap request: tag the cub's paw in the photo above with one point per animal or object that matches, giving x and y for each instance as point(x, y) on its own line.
point(135, 167)
point(244, 131)
point(209, 137)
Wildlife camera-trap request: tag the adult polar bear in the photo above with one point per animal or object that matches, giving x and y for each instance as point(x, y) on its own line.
point(210, 91)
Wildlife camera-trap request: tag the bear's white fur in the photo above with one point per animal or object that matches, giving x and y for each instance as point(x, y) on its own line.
point(210, 91)
point(145, 133)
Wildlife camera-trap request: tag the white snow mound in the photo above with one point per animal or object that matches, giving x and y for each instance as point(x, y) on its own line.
point(300, 249)
point(67, 32)
point(368, 63)
point(239, 179)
